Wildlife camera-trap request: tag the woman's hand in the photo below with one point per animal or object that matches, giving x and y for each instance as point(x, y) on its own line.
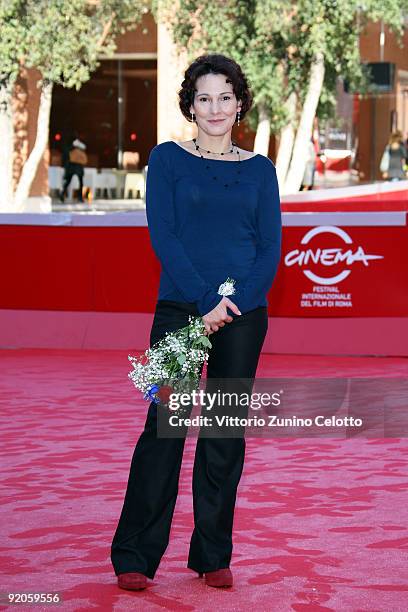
point(218, 316)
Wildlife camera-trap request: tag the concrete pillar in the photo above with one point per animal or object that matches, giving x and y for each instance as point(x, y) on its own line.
point(171, 123)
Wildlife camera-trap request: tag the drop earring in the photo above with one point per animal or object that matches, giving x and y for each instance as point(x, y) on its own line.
point(192, 117)
point(239, 116)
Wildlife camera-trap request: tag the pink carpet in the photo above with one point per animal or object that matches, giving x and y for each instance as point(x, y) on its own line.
point(319, 524)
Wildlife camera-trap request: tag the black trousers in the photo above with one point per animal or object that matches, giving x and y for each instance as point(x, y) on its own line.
point(71, 170)
point(142, 534)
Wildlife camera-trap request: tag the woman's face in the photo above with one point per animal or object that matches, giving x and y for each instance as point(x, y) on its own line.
point(215, 100)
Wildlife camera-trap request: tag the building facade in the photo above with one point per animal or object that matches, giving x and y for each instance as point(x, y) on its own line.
point(130, 104)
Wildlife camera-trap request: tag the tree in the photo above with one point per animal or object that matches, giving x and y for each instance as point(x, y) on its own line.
point(322, 45)
point(64, 40)
point(293, 55)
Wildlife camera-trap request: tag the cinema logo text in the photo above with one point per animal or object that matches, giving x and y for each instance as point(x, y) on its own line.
point(328, 257)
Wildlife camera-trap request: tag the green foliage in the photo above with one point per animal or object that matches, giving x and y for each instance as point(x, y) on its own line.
point(12, 20)
point(275, 42)
point(63, 39)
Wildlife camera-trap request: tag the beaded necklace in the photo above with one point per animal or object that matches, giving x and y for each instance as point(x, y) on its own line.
point(207, 166)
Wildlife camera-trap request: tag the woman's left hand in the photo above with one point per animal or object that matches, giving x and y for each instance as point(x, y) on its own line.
point(218, 316)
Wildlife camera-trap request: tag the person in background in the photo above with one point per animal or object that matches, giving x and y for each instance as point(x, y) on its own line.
point(310, 169)
point(74, 158)
point(394, 158)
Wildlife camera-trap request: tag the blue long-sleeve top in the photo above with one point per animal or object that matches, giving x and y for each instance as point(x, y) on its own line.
point(203, 232)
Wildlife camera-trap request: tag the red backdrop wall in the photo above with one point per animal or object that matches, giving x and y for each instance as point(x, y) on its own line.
point(113, 269)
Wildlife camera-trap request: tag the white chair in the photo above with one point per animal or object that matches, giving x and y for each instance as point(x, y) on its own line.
point(90, 175)
point(134, 182)
point(55, 177)
point(74, 184)
point(105, 180)
point(144, 178)
point(120, 176)
point(88, 181)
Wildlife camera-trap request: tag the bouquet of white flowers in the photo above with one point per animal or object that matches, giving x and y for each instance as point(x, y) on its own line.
point(174, 363)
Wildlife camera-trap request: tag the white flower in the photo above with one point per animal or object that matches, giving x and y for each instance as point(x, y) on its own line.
point(227, 288)
point(178, 357)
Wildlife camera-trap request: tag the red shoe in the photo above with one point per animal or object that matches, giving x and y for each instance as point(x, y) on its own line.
point(218, 578)
point(132, 581)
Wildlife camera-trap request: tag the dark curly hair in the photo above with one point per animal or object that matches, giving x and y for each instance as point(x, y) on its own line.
point(214, 63)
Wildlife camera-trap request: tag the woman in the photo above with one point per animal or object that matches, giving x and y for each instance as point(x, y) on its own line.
point(213, 212)
point(393, 159)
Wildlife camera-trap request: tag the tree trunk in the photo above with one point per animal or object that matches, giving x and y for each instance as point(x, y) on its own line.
point(304, 131)
point(263, 132)
point(6, 149)
point(287, 138)
point(40, 145)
